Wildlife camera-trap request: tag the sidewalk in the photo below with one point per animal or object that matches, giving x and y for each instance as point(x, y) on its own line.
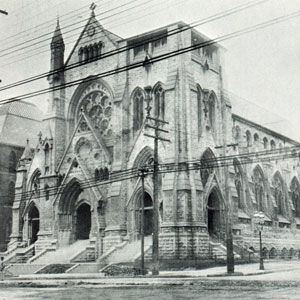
point(242, 272)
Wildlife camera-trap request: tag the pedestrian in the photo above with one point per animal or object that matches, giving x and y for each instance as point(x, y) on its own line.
point(2, 267)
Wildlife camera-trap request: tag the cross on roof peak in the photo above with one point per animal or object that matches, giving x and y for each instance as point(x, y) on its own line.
point(92, 8)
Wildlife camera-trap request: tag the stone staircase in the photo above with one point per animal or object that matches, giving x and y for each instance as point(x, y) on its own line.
point(219, 251)
point(126, 252)
point(62, 255)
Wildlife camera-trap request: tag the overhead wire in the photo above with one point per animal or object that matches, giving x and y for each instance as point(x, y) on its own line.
point(67, 26)
point(156, 58)
point(196, 164)
point(174, 2)
point(175, 31)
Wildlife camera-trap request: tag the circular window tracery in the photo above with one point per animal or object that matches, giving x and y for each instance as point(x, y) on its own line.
point(98, 106)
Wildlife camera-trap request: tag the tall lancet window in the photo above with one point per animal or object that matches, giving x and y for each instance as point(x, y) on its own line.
point(159, 102)
point(199, 110)
point(278, 194)
point(295, 195)
point(259, 189)
point(138, 109)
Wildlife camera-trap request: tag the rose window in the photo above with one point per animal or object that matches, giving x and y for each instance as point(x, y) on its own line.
point(97, 106)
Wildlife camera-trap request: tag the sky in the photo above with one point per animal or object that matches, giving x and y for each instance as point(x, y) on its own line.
point(262, 67)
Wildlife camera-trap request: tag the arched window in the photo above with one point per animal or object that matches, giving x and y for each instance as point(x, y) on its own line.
point(258, 181)
point(159, 102)
point(105, 174)
point(138, 109)
point(47, 158)
point(207, 166)
point(85, 54)
point(273, 145)
point(278, 194)
point(101, 174)
point(256, 139)
point(12, 162)
point(35, 184)
point(295, 195)
point(97, 174)
point(237, 133)
point(199, 109)
point(46, 191)
point(265, 143)
point(11, 194)
point(248, 138)
point(238, 181)
point(211, 111)
point(80, 54)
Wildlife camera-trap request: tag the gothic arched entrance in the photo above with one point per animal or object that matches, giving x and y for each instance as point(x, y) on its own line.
point(148, 215)
point(214, 215)
point(33, 224)
point(83, 222)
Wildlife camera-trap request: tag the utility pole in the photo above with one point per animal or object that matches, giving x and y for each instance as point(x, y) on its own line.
point(228, 208)
point(157, 129)
point(142, 175)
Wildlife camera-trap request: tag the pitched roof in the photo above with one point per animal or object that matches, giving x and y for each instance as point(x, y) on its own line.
point(18, 121)
point(21, 109)
point(262, 117)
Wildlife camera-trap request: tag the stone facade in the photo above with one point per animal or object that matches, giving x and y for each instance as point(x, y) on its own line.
point(95, 127)
point(18, 120)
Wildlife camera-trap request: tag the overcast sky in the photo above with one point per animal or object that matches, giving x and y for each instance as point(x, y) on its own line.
point(262, 67)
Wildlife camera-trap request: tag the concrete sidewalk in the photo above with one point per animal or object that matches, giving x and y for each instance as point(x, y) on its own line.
point(242, 272)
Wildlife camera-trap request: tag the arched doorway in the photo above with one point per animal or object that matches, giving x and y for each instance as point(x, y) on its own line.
point(33, 224)
point(214, 215)
point(148, 215)
point(83, 222)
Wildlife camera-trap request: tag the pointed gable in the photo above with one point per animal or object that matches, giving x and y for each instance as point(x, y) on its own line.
point(84, 142)
point(93, 41)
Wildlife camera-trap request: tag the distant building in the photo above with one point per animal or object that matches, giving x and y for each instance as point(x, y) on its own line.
point(18, 122)
point(95, 128)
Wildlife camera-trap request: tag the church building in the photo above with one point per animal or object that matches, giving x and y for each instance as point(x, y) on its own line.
point(94, 129)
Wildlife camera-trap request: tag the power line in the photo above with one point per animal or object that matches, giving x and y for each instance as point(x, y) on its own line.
point(51, 33)
point(197, 164)
point(156, 58)
point(126, 48)
point(76, 34)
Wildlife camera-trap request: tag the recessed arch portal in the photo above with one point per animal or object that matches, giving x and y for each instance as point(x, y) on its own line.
point(214, 220)
point(33, 224)
point(148, 214)
point(83, 222)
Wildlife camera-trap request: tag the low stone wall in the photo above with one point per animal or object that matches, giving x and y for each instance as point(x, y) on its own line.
point(22, 269)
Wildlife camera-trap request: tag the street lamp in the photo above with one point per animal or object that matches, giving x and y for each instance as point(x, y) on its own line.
point(259, 220)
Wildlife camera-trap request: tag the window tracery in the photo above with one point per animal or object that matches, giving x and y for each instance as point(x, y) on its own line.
point(138, 109)
point(207, 166)
point(258, 182)
point(98, 107)
point(278, 195)
point(295, 195)
point(238, 181)
point(159, 102)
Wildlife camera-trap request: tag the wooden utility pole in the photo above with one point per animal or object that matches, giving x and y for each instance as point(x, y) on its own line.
point(156, 137)
point(228, 208)
point(142, 175)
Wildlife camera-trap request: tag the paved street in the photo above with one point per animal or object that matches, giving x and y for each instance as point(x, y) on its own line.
point(279, 282)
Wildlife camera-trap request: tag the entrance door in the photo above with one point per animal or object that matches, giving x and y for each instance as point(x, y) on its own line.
point(213, 215)
point(148, 215)
point(83, 226)
point(34, 224)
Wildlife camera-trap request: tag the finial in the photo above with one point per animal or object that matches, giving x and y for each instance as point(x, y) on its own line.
point(40, 135)
point(92, 8)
